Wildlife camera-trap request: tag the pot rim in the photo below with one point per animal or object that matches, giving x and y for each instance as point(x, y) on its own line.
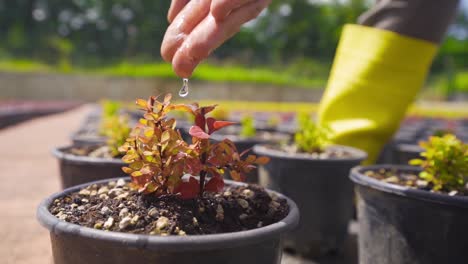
point(76, 136)
point(278, 136)
point(358, 154)
point(358, 177)
point(413, 148)
point(60, 153)
point(168, 243)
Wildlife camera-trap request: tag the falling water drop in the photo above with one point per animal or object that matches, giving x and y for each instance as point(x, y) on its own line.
point(184, 91)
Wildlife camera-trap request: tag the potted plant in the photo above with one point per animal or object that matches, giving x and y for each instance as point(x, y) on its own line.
point(92, 131)
point(415, 214)
point(88, 162)
point(315, 174)
point(163, 216)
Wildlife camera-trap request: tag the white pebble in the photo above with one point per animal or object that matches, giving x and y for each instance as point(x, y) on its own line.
point(162, 222)
point(120, 183)
point(109, 223)
point(126, 221)
point(123, 212)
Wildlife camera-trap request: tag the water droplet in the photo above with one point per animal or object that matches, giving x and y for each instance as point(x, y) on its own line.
point(184, 91)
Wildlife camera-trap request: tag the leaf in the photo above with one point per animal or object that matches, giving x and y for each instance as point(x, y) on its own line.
point(148, 132)
point(165, 136)
point(188, 189)
point(235, 175)
point(206, 109)
point(215, 184)
point(196, 131)
point(181, 107)
point(150, 187)
point(250, 159)
point(200, 121)
point(214, 125)
point(136, 174)
point(141, 103)
point(127, 170)
point(415, 162)
point(262, 160)
point(167, 99)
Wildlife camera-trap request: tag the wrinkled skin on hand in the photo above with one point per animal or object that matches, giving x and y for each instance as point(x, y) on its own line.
point(198, 27)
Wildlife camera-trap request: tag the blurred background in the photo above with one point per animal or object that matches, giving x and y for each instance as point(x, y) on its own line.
point(59, 55)
point(90, 49)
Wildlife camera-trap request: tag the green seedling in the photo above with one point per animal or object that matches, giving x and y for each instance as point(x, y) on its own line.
point(311, 138)
point(444, 162)
point(248, 129)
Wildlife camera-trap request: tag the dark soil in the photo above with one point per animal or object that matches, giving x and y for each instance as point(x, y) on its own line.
point(116, 207)
point(327, 153)
point(410, 179)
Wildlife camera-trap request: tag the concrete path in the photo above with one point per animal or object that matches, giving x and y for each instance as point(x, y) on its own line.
point(28, 173)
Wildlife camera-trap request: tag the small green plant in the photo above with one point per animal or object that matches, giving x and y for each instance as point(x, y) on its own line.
point(110, 108)
point(114, 126)
point(220, 114)
point(158, 158)
point(273, 121)
point(248, 127)
point(310, 137)
point(445, 163)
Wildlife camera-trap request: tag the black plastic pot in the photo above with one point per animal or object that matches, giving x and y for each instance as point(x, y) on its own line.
point(73, 244)
point(243, 144)
point(403, 153)
point(82, 138)
point(75, 170)
point(408, 226)
point(322, 191)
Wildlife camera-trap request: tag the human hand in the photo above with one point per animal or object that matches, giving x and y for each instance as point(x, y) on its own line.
point(198, 27)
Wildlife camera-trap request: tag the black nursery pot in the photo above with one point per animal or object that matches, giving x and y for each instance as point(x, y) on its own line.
point(322, 191)
point(408, 226)
point(243, 144)
point(75, 170)
point(82, 138)
point(74, 244)
point(403, 153)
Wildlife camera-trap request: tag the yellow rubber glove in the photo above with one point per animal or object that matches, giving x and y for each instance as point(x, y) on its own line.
point(376, 75)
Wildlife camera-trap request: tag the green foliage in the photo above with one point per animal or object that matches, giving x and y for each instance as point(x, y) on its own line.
point(114, 126)
point(158, 157)
point(311, 137)
point(248, 127)
point(273, 122)
point(110, 108)
point(445, 162)
point(220, 114)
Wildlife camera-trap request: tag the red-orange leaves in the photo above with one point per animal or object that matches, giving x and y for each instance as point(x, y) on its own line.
point(196, 131)
point(158, 157)
point(215, 184)
point(188, 189)
point(214, 125)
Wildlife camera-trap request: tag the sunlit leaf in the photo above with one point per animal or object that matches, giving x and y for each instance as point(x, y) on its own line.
point(215, 184)
point(196, 131)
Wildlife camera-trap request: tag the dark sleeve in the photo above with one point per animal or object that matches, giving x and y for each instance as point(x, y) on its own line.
point(423, 19)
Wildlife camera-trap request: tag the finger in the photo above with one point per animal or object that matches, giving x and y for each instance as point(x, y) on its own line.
point(220, 9)
point(183, 24)
point(209, 35)
point(176, 7)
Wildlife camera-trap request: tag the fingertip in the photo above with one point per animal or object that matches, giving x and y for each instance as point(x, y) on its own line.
point(218, 10)
point(183, 66)
point(165, 53)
